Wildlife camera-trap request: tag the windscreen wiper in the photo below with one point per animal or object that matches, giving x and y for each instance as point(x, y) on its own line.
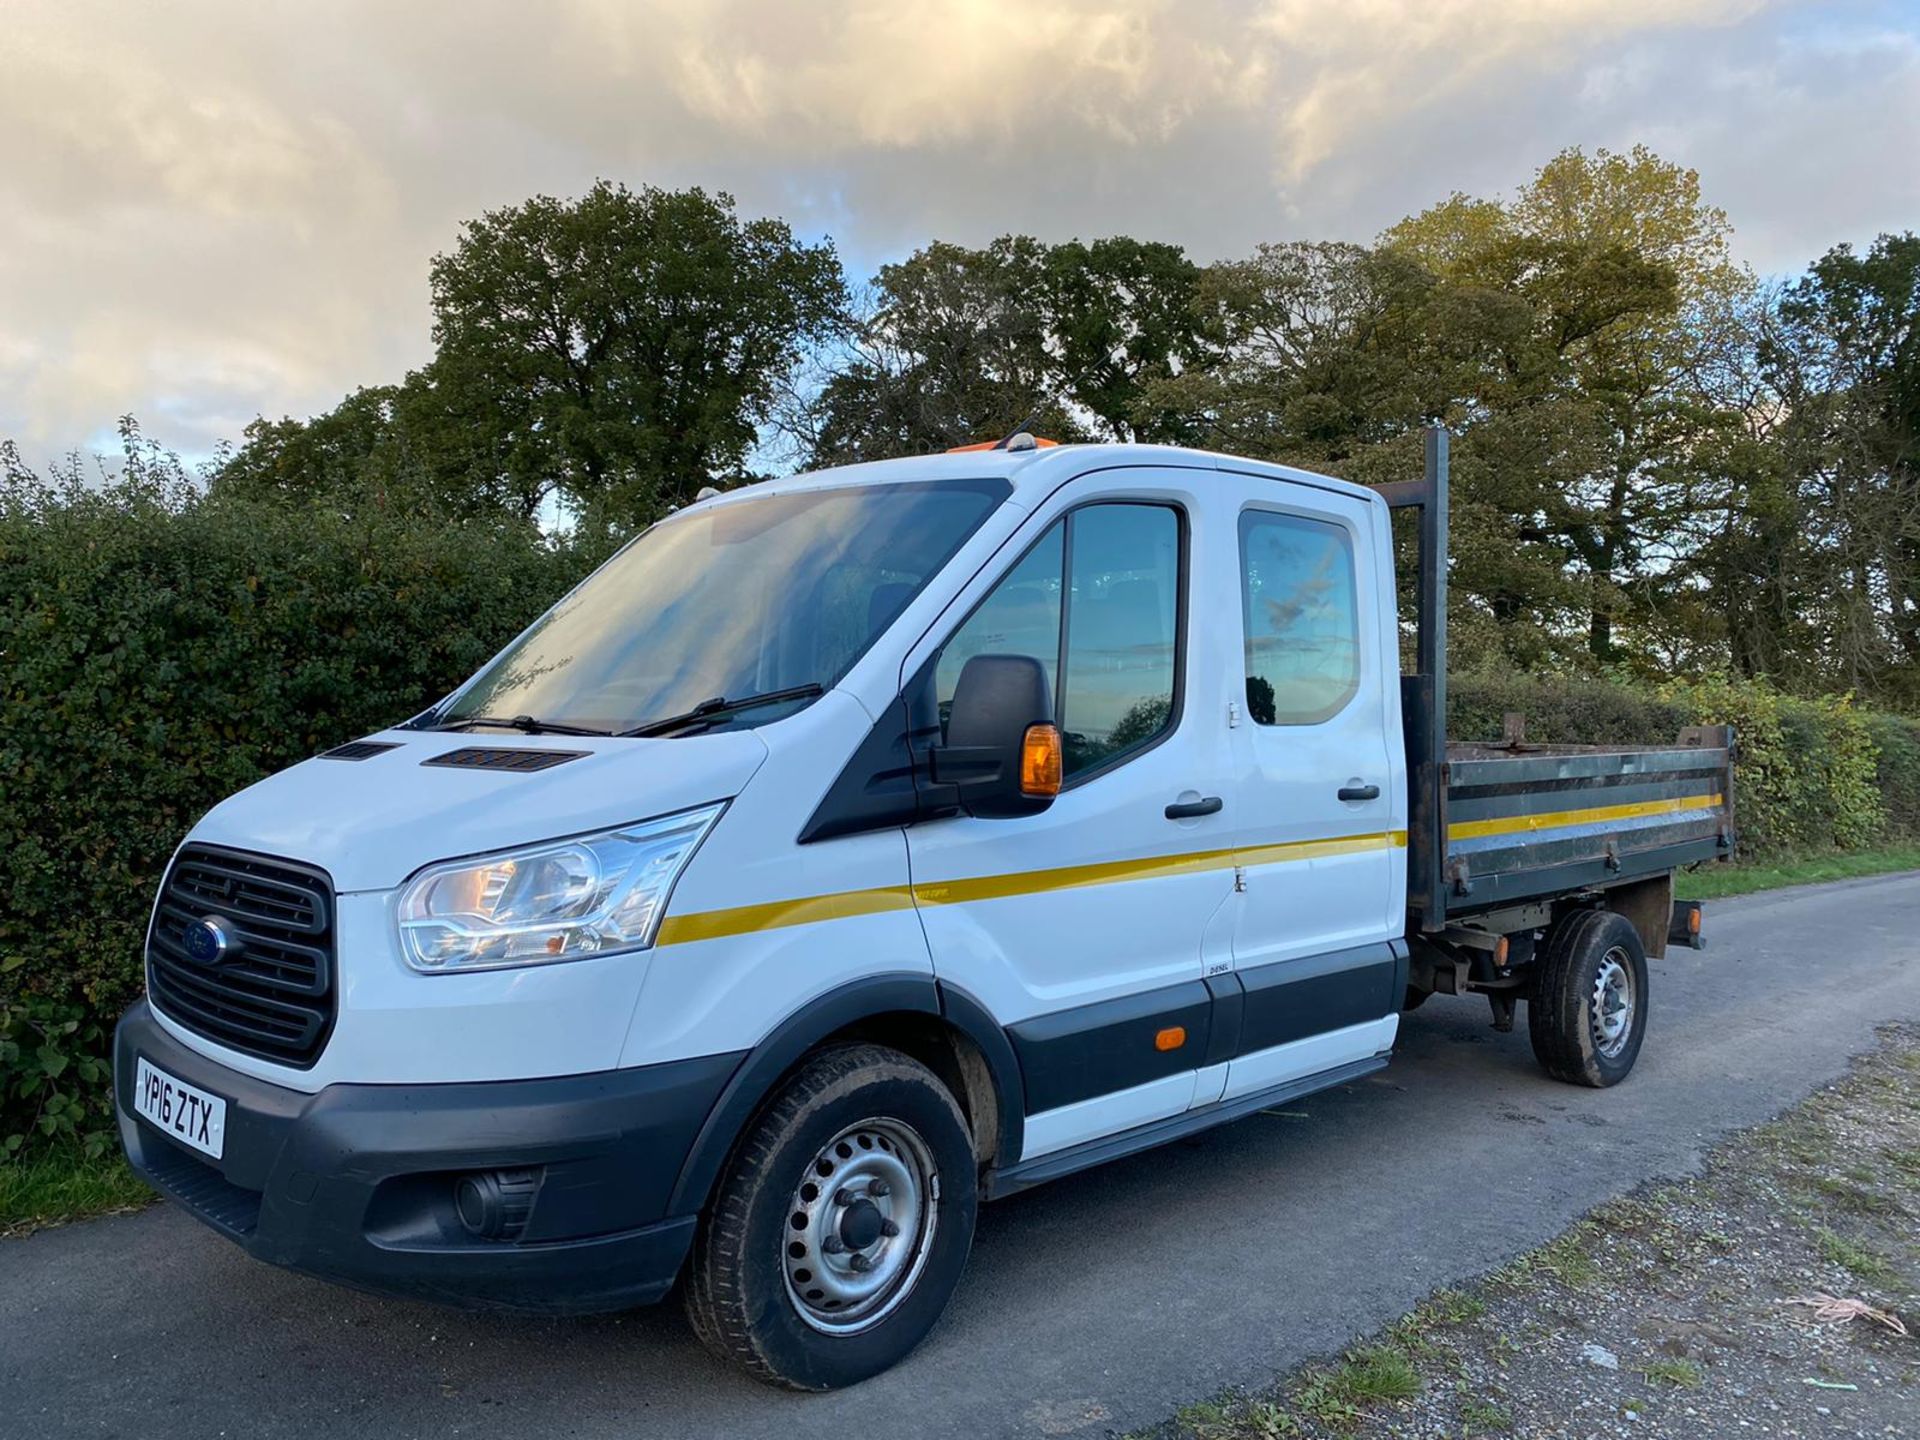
point(526, 724)
point(718, 708)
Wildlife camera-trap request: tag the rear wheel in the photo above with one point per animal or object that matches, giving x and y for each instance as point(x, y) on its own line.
point(841, 1225)
point(1587, 1009)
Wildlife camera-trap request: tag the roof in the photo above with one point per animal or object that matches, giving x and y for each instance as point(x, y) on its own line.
point(1041, 469)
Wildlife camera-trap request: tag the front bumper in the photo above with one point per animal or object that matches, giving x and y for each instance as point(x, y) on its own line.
point(355, 1183)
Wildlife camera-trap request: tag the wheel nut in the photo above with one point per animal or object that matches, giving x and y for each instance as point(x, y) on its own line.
point(878, 1190)
point(833, 1245)
point(844, 1196)
point(889, 1229)
point(861, 1262)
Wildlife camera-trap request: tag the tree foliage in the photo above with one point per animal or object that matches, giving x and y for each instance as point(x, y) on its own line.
point(1662, 465)
point(1839, 517)
point(957, 346)
point(618, 351)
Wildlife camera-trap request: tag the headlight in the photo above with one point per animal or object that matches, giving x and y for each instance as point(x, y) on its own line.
point(596, 895)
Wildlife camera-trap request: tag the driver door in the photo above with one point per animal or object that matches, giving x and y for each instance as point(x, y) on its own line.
point(1085, 929)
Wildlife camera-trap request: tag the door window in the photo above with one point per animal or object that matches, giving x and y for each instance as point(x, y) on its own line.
point(1302, 624)
point(1020, 617)
point(1097, 602)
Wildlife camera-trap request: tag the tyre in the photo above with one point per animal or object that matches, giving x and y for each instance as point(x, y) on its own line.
point(841, 1224)
point(1587, 1009)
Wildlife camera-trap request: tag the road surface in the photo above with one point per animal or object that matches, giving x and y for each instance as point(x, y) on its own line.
point(1091, 1306)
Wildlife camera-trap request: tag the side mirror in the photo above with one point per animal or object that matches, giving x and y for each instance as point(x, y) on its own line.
point(1002, 754)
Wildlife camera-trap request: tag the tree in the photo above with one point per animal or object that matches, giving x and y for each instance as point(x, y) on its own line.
point(356, 451)
point(619, 351)
point(1310, 353)
point(958, 345)
point(1121, 313)
point(1843, 356)
point(1566, 336)
point(951, 348)
point(1624, 273)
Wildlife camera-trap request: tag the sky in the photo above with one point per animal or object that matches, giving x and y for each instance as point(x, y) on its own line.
point(214, 211)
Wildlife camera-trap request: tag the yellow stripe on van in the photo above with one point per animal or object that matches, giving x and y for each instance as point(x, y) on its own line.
point(841, 905)
point(747, 919)
point(1555, 819)
point(1070, 877)
point(1319, 849)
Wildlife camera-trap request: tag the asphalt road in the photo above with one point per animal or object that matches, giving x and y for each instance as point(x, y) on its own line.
point(1093, 1305)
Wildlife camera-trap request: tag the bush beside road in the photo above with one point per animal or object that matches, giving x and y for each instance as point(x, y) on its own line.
point(160, 650)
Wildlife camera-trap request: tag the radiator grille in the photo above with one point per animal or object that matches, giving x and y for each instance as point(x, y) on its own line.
point(272, 994)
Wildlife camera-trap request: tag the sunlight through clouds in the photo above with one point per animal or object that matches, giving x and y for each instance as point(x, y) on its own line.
point(213, 210)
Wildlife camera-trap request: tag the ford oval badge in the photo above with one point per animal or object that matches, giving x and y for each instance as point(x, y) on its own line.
point(208, 941)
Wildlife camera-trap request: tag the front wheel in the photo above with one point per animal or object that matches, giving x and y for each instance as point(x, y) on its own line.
point(1587, 1009)
point(841, 1226)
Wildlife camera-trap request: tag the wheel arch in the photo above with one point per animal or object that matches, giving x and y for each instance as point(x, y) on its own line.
point(941, 1026)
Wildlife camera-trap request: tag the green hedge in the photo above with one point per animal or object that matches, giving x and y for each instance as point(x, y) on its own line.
point(160, 650)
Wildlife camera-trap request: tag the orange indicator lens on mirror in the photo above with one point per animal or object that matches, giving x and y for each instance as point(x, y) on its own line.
point(1171, 1038)
point(1040, 761)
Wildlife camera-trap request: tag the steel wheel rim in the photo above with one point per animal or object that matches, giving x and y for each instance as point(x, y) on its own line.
point(860, 1226)
point(1613, 1003)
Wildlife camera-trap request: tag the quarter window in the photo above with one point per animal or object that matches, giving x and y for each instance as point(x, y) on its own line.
point(1096, 601)
point(1302, 623)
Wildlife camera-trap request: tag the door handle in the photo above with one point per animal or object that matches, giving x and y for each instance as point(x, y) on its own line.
point(1193, 809)
point(1359, 792)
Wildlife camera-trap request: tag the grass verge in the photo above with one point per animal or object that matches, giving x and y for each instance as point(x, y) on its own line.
point(1715, 882)
point(59, 1184)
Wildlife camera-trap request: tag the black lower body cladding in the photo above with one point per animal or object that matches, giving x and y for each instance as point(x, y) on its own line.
point(356, 1183)
point(1110, 1045)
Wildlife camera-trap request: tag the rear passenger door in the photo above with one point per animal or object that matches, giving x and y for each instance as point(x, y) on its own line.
point(1321, 825)
point(1083, 930)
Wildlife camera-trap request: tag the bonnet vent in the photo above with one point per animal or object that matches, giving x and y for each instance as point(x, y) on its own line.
point(518, 761)
point(359, 750)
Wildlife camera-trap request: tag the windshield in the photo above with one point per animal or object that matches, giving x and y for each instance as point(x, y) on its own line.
point(729, 602)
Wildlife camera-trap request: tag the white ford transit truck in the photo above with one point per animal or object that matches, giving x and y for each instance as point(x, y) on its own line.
point(855, 847)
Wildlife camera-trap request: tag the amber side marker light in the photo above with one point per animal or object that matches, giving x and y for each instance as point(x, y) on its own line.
point(1171, 1038)
point(1040, 761)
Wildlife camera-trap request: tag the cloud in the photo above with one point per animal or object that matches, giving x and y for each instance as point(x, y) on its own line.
point(209, 211)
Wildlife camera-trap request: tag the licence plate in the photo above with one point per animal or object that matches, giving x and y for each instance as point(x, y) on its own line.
point(184, 1111)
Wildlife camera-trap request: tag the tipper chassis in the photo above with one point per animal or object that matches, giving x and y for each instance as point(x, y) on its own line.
point(1509, 841)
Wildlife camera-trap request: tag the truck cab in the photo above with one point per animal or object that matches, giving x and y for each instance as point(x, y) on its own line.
point(847, 850)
